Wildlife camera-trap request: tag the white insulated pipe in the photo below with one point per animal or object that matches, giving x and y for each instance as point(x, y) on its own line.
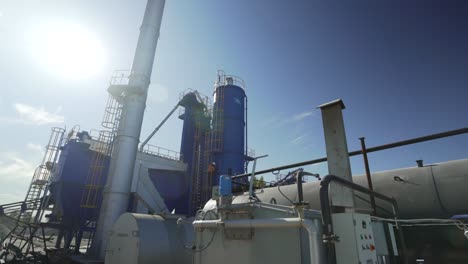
point(119, 180)
point(315, 240)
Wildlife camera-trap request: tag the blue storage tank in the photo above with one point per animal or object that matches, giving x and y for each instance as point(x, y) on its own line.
point(225, 185)
point(229, 127)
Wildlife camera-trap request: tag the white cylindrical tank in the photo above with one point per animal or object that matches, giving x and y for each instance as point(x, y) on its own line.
point(436, 190)
point(149, 239)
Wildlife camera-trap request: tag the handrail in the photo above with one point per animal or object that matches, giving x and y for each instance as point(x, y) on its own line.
point(161, 152)
point(327, 214)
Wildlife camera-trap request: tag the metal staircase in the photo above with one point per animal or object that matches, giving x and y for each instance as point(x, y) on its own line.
point(22, 243)
point(39, 186)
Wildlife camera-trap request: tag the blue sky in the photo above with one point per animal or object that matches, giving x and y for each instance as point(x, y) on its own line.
point(401, 69)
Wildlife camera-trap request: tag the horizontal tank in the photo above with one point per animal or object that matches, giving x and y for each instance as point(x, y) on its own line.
point(436, 190)
point(149, 239)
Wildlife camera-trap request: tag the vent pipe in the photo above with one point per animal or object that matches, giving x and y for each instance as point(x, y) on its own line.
point(337, 151)
point(420, 163)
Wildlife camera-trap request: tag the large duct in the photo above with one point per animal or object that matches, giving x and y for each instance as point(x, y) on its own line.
point(117, 189)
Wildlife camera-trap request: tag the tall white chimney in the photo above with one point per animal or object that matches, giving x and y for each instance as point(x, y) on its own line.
point(119, 180)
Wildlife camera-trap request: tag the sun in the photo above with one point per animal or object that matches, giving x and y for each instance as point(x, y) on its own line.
point(68, 50)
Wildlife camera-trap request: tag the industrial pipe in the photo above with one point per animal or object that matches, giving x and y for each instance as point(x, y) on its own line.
point(315, 240)
point(358, 152)
point(300, 193)
point(159, 126)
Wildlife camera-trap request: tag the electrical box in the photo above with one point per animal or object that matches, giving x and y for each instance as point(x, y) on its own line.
point(355, 239)
point(385, 243)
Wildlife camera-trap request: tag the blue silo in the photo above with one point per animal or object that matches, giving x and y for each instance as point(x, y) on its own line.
point(228, 136)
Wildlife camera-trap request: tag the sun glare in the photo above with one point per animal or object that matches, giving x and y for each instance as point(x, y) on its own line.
point(68, 50)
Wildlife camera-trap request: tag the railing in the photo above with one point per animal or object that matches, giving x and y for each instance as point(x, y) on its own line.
point(326, 205)
point(161, 152)
point(122, 77)
point(224, 79)
point(39, 185)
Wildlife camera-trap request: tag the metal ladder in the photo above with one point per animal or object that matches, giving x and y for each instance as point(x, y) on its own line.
point(216, 135)
point(213, 144)
point(102, 150)
point(197, 168)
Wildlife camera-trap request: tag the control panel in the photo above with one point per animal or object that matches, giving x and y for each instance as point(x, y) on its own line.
point(355, 239)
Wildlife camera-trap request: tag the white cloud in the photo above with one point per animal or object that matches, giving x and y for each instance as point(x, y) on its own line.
point(37, 115)
point(275, 121)
point(15, 176)
point(280, 120)
point(13, 167)
point(301, 116)
point(297, 140)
